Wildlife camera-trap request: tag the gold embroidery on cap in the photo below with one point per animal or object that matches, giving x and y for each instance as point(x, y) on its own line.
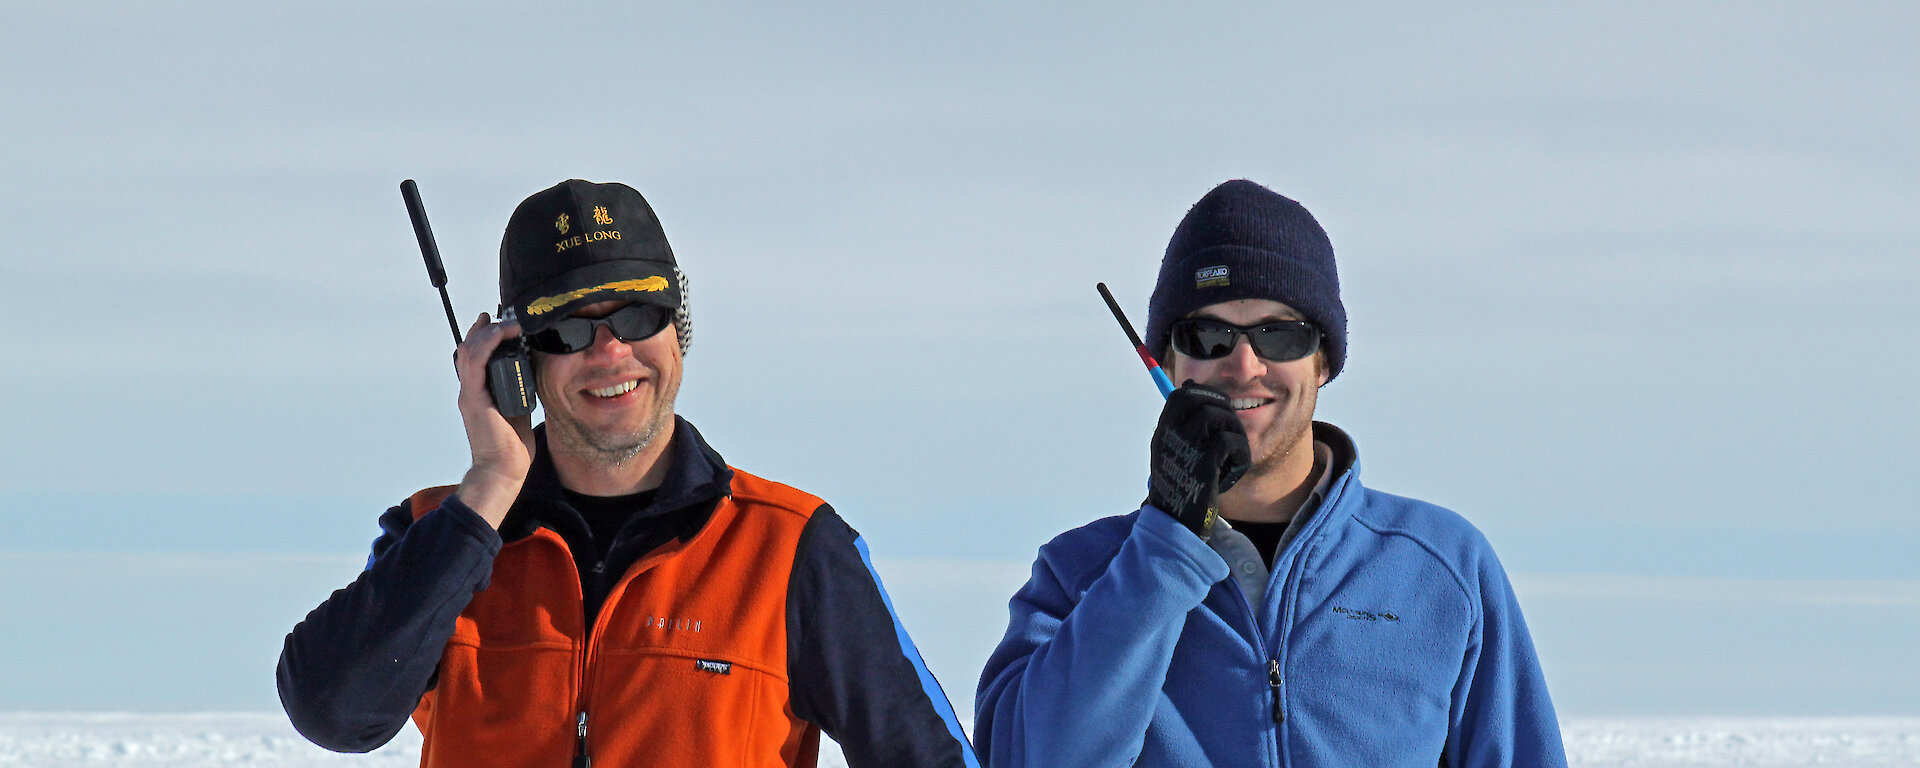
point(600, 216)
point(561, 224)
point(584, 238)
point(653, 284)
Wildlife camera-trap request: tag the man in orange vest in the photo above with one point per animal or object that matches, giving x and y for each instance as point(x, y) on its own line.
point(605, 588)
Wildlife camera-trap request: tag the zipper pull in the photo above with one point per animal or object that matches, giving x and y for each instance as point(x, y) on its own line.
point(580, 757)
point(1273, 681)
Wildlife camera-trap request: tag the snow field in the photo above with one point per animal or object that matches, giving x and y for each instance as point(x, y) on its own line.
point(210, 740)
point(188, 739)
point(1746, 742)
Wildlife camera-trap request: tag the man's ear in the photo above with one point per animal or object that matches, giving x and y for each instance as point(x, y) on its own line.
point(1320, 360)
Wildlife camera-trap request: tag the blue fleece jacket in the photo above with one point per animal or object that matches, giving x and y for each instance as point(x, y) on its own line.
point(1389, 636)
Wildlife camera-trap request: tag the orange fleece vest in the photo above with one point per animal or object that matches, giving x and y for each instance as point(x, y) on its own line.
point(687, 663)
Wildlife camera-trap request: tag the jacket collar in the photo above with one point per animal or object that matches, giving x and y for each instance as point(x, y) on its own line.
point(1342, 488)
point(1346, 457)
point(696, 476)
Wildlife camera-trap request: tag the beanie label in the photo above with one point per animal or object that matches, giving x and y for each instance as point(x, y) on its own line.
point(1211, 277)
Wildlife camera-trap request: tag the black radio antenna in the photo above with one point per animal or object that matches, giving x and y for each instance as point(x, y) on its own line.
point(436, 272)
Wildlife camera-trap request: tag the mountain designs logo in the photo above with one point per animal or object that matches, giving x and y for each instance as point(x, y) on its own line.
point(1365, 615)
point(1211, 277)
point(713, 666)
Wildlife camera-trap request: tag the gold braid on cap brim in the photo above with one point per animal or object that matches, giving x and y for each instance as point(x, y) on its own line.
point(547, 304)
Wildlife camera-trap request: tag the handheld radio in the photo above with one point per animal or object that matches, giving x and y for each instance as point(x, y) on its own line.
point(510, 369)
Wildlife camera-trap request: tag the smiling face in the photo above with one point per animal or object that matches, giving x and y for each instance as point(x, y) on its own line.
point(613, 400)
point(1274, 400)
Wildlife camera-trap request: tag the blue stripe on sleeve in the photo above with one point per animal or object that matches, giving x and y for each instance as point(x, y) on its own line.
point(927, 684)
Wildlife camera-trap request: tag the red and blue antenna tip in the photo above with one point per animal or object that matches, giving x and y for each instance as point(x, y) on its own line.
point(1153, 366)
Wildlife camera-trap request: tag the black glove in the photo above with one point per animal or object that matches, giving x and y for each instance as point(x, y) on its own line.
point(1199, 451)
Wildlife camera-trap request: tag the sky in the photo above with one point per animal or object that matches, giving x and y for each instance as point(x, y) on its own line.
point(1629, 285)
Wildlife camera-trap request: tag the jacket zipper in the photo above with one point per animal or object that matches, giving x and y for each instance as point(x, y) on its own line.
point(1273, 682)
point(1260, 645)
point(580, 757)
point(583, 758)
point(1285, 612)
point(1283, 617)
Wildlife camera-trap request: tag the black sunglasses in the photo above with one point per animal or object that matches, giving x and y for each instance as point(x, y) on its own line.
point(632, 322)
point(1279, 341)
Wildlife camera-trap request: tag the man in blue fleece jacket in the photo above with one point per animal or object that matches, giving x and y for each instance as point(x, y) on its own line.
point(1263, 607)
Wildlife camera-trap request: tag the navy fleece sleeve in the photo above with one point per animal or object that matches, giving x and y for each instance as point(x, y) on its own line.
point(1077, 677)
point(852, 669)
point(352, 672)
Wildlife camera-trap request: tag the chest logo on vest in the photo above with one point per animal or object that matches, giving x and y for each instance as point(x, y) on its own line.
point(1365, 615)
point(716, 667)
point(673, 624)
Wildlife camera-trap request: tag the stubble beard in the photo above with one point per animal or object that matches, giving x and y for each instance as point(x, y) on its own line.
point(1292, 429)
point(611, 448)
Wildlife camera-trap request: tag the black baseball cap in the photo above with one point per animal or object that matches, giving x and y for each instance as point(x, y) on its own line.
point(577, 243)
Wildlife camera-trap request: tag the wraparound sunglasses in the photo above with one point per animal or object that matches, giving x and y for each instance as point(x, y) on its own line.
point(1279, 341)
point(632, 322)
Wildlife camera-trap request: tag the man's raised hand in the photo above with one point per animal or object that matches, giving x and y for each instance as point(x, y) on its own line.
point(1199, 451)
point(502, 447)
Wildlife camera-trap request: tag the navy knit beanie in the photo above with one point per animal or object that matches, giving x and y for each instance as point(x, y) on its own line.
point(1243, 241)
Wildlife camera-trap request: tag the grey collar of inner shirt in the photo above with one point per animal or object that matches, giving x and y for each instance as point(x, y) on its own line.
point(1249, 569)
